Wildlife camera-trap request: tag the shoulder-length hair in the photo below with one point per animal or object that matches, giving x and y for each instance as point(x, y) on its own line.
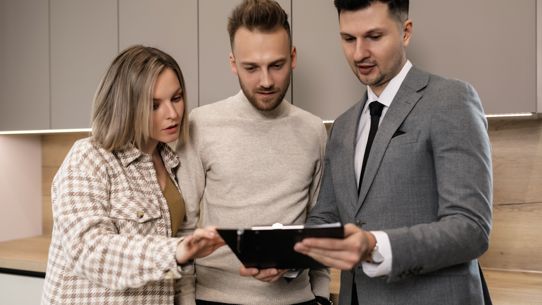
point(122, 109)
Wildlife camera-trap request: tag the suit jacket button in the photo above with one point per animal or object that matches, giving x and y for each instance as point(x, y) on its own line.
point(360, 223)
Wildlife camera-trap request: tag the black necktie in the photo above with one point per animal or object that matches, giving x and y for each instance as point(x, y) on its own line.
point(375, 108)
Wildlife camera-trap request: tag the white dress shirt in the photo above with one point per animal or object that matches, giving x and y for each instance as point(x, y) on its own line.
point(385, 98)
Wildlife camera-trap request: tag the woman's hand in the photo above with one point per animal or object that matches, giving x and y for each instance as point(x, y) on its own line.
point(200, 244)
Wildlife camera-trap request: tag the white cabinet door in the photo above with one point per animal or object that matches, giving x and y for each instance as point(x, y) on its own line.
point(24, 62)
point(169, 25)
point(84, 41)
point(20, 290)
point(217, 82)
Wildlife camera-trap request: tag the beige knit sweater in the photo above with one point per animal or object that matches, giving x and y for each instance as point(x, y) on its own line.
point(243, 168)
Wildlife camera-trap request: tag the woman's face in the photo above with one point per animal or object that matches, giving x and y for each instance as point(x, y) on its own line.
point(167, 110)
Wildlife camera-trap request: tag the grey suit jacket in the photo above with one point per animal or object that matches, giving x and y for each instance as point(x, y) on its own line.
point(428, 185)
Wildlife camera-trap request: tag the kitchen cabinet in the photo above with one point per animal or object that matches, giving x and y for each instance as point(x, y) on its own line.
point(169, 25)
point(84, 41)
point(489, 43)
point(54, 53)
point(24, 58)
point(323, 82)
point(20, 290)
point(22, 270)
point(217, 81)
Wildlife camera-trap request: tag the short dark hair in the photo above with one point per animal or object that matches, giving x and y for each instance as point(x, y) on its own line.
point(262, 15)
point(398, 8)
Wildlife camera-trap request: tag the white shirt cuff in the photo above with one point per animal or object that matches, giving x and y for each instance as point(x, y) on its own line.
point(384, 247)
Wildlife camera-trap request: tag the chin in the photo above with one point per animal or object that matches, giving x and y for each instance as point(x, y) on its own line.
point(267, 106)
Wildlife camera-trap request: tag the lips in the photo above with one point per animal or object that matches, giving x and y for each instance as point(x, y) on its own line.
point(365, 68)
point(266, 92)
point(171, 128)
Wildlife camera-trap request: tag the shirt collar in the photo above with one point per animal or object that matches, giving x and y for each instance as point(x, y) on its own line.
point(387, 96)
point(132, 154)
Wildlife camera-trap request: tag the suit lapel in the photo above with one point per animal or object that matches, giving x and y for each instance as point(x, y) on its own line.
point(406, 98)
point(349, 144)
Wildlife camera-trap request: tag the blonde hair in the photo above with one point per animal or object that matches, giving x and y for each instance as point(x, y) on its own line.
point(121, 114)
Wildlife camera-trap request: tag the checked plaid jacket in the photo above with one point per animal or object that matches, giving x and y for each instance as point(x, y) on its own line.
point(111, 240)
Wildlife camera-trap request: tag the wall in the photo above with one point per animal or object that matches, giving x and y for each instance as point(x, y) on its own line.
point(20, 180)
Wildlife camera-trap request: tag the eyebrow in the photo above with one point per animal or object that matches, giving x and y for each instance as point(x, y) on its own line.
point(369, 32)
point(280, 60)
point(178, 91)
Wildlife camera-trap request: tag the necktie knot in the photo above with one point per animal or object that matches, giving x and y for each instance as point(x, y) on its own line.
point(375, 108)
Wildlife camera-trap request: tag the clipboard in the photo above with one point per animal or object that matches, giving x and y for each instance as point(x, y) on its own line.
point(273, 246)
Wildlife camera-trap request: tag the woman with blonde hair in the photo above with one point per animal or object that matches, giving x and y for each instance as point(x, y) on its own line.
point(117, 207)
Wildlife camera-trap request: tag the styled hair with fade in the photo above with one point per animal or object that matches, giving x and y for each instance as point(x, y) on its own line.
point(261, 15)
point(122, 109)
point(397, 8)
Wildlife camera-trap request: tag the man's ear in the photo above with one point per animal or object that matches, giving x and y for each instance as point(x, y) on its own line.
point(293, 57)
point(407, 32)
point(233, 64)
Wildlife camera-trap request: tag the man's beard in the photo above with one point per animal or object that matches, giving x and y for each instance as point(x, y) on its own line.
point(268, 105)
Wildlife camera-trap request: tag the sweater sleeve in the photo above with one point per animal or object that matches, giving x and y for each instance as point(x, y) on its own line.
point(93, 247)
point(319, 168)
point(191, 174)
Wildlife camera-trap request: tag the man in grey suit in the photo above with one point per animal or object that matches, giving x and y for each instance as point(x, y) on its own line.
point(421, 214)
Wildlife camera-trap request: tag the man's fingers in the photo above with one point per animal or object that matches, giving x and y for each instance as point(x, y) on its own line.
point(248, 271)
point(324, 243)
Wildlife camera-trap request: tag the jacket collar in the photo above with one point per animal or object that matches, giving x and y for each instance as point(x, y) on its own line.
point(132, 154)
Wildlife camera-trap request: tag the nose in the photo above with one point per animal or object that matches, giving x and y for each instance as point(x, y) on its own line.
point(266, 80)
point(171, 111)
point(360, 51)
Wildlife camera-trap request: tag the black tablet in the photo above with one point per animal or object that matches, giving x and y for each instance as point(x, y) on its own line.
point(273, 246)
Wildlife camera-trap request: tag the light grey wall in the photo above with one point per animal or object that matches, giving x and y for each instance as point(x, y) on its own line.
point(170, 25)
point(84, 40)
point(24, 64)
point(489, 43)
point(216, 80)
point(53, 53)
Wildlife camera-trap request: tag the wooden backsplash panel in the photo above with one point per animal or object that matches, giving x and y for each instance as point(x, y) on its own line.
point(56, 146)
point(517, 160)
point(515, 242)
point(517, 195)
point(517, 169)
point(54, 150)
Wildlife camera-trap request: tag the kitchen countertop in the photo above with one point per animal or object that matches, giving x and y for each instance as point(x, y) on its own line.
point(506, 287)
point(27, 254)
